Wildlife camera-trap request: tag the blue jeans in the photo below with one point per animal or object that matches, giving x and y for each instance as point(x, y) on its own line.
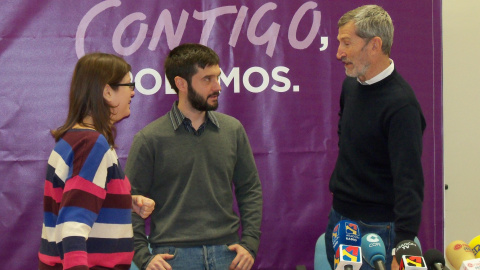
point(384, 229)
point(202, 257)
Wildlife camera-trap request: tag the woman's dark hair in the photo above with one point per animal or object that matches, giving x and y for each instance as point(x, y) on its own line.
point(92, 73)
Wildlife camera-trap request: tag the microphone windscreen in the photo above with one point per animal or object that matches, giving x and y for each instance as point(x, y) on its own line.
point(373, 248)
point(457, 252)
point(346, 232)
point(475, 246)
point(407, 247)
point(433, 256)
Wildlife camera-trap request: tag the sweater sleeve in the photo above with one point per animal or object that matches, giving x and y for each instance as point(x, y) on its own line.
point(139, 169)
point(82, 199)
point(405, 147)
point(248, 192)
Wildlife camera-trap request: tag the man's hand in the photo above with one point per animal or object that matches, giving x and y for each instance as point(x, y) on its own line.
point(143, 206)
point(395, 264)
point(158, 262)
point(243, 260)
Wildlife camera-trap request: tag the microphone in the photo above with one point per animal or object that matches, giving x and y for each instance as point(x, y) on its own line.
point(374, 250)
point(348, 258)
point(434, 260)
point(346, 243)
point(471, 265)
point(346, 232)
point(457, 252)
point(475, 246)
point(409, 256)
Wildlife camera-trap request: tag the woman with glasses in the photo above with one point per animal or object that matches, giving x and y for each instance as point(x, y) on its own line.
point(87, 202)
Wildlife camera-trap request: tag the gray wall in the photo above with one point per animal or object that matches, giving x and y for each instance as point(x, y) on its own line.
point(461, 118)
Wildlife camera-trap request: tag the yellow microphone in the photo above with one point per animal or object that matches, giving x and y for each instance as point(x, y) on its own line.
point(475, 246)
point(457, 252)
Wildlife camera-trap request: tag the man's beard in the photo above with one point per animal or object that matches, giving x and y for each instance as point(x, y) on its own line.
point(361, 67)
point(200, 103)
point(357, 72)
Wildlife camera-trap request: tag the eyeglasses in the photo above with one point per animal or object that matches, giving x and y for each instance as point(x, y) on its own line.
point(131, 85)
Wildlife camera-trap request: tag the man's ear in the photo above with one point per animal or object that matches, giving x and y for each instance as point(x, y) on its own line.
point(181, 84)
point(377, 44)
point(107, 93)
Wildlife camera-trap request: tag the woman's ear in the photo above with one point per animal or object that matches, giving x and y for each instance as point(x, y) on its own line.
point(107, 93)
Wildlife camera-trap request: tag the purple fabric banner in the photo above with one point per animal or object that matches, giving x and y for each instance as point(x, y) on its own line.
point(280, 79)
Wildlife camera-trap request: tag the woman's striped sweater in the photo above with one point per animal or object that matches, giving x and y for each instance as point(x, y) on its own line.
point(87, 206)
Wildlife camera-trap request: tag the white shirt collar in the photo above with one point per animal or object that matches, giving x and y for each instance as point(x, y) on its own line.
point(382, 75)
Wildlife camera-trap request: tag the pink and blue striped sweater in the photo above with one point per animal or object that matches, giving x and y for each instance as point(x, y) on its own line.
point(87, 206)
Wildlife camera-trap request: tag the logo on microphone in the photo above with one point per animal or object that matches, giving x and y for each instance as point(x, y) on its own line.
point(406, 245)
point(351, 228)
point(352, 232)
point(336, 261)
point(415, 261)
point(335, 231)
point(372, 238)
point(351, 253)
point(464, 246)
point(476, 249)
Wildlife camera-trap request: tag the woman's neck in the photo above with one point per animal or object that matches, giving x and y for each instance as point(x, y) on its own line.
point(87, 123)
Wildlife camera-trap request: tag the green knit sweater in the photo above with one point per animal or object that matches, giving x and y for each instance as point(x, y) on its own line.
point(191, 180)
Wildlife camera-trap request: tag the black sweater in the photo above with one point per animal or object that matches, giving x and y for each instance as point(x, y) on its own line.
point(378, 176)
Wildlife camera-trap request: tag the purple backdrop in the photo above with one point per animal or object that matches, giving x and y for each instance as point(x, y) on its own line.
point(280, 79)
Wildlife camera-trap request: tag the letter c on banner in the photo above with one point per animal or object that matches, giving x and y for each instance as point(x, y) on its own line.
point(117, 35)
point(86, 20)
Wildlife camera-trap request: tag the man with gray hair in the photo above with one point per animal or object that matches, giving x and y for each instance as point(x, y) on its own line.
point(378, 179)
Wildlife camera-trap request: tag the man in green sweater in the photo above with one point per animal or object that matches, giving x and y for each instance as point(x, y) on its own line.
point(378, 179)
point(188, 161)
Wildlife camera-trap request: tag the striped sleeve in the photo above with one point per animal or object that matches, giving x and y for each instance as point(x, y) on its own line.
point(82, 200)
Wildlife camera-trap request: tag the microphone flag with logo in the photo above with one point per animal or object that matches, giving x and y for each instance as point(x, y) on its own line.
point(346, 232)
point(346, 243)
point(409, 256)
